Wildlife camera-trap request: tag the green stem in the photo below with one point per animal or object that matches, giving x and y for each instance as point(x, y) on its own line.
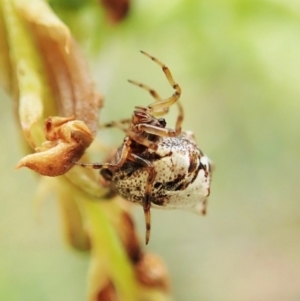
point(106, 244)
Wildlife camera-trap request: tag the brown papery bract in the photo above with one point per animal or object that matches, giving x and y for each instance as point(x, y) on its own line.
point(67, 140)
point(116, 10)
point(72, 90)
point(67, 72)
point(152, 273)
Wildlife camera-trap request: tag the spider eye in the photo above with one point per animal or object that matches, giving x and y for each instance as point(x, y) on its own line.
point(162, 122)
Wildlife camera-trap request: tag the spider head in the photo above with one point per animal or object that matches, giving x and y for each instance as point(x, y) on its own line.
point(142, 115)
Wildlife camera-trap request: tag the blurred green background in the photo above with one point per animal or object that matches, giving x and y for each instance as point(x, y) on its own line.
point(238, 63)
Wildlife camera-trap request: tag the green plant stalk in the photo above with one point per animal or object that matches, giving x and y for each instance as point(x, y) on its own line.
point(107, 245)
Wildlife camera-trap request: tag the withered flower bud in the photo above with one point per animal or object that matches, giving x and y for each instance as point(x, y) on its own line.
point(116, 10)
point(152, 273)
point(67, 139)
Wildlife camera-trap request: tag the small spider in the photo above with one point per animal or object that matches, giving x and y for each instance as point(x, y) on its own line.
point(155, 165)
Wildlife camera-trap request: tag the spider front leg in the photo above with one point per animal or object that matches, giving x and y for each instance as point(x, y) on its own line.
point(146, 202)
point(154, 94)
point(154, 130)
point(169, 101)
point(112, 166)
point(121, 124)
point(150, 129)
point(163, 105)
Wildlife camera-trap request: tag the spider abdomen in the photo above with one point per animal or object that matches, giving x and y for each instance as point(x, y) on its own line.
point(182, 175)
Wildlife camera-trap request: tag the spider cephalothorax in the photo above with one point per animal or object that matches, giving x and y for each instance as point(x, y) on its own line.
point(155, 165)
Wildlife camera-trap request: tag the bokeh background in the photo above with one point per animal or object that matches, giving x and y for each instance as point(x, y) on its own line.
point(238, 63)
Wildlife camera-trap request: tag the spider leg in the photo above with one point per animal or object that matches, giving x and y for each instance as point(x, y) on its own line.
point(121, 124)
point(154, 94)
point(142, 140)
point(154, 130)
point(151, 129)
point(121, 160)
point(169, 101)
point(147, 88)
point(179, 117)
point(146, 203)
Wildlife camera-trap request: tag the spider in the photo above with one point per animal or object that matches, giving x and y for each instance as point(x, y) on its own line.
point(155, 165)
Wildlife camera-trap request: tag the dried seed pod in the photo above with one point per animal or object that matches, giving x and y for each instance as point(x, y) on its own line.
point(152, 273)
